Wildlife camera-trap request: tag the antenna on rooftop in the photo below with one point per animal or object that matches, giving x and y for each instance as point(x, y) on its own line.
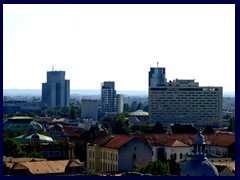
point(52, 68)
point(157, 64)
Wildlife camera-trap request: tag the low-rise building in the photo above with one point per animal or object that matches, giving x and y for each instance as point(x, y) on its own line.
point(36, 167)
point(117, 153)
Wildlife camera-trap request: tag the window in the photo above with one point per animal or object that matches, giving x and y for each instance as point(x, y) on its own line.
point(175, 156)
point(89, 165)
point(134, 157)
point(181, 156)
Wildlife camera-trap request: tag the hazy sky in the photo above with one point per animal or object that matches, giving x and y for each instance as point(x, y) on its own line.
point(96, 43)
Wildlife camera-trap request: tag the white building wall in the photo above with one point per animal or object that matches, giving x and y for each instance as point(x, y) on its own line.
point(218, 150)
point(168, 151)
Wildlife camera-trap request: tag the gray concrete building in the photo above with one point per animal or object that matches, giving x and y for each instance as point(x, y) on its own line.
point(89, 109)
point(56, 91)
point(120, 103)
point(183, 102)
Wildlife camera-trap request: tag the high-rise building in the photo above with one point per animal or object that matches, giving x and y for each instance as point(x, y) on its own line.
point(56, 91)
point(183, 102)
point(157, 77)
point(89, 109)
point(108, 97)
point(120, 103)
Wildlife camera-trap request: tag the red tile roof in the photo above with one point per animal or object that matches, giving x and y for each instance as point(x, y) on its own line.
point(223, 139)
point(118, 140)
point(98, 139)
point(170, 140)
point(72, 131)
point(114, 141)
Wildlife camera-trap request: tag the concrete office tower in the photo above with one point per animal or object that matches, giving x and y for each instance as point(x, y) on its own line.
point(184, 102)
point(56, 91)
point(120, 103)
point(89, 109)
point(108, 97)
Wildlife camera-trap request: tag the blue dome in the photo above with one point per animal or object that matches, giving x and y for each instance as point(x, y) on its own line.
point(199, 165)
point(199, 139)
point(199, 168)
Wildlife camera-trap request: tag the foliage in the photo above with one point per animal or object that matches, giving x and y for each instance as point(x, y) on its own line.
point(140, 106)
point(126, 107)
point(12, 134)
point(174, 166)
point(119, 126)
point(155, 168)
point(35, 154)
point(31, 114)
point(12, 149)
point(157, 129)
point(73, 114)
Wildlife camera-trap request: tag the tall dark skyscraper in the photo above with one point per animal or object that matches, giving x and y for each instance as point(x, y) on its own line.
point(56, 91)
point(157, 77)
point(108, 97)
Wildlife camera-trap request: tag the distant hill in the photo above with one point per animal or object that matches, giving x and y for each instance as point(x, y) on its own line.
point(38, 92)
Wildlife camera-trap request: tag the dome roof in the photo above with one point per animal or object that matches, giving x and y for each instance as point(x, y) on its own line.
point(199, 168)
point(58, 127)
point(139, 113)
point(199, 139)
point(199, 165)
point(26, 138)
point(37, 126)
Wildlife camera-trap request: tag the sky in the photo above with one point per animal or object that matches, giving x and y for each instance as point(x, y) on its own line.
point(96, 43)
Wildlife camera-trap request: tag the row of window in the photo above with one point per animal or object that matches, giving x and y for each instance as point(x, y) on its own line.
point(105, 155)
point(109, 156)
point(108, 167)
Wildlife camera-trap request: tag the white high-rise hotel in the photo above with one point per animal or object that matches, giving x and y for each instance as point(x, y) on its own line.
point(181, 101)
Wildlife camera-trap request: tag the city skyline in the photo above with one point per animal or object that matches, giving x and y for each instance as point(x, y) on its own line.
point(120, 43)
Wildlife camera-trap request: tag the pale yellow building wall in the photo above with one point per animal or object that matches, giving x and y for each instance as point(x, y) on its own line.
point(101, 159)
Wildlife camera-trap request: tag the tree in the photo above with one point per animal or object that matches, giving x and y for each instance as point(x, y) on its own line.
point(119, 126)
point(157, 128)
point(73, 114)
point(35, 154)
point(12, 149)
point(208, 129)
point(155, 168)
point(174, 166)
point(57, 110)
point(133, 106)
point(31, 114)
point(65, 111)
point(126, 107)
point(140, 106)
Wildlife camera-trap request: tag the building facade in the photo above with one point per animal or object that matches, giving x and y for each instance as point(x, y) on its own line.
point(120, 103)
point(183, 102)
point(89, 109)
point(117, 153)
point(56, 91)
point(108, 97)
